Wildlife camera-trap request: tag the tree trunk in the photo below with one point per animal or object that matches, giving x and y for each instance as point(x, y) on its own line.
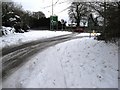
point(78, 16)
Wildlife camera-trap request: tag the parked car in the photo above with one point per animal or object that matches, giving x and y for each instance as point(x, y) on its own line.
point(79, 29)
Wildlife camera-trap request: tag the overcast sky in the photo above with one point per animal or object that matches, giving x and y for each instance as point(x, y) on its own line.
point(41, 5)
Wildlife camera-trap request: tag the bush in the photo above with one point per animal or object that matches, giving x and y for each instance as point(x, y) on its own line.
point(7, 30)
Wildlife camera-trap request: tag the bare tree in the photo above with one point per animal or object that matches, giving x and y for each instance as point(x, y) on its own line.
point(77, 11)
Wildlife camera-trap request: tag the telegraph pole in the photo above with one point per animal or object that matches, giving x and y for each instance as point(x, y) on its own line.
point(52, 7)
point(53, 19)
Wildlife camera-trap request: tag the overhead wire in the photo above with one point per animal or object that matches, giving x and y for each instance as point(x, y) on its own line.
point(55, 4)
point(64, 9)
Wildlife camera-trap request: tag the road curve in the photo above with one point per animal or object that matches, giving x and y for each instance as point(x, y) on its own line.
point(16, 56)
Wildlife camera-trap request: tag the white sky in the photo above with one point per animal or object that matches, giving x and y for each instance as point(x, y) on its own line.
point(38, 5)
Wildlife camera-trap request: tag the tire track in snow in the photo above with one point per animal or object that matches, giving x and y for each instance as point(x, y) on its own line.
point(15, 59)
point(65, 81)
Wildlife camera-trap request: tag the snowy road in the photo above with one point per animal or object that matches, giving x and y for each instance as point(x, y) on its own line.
point(68, 61)
point(16, 56)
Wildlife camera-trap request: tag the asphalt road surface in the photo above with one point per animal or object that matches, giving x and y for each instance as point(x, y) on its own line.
point(15, 56)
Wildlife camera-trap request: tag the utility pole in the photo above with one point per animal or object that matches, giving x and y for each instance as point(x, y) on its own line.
point(53, 19)
point(52, 7)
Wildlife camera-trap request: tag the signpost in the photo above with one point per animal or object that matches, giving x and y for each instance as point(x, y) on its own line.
point(53, 20)
point(62, 22)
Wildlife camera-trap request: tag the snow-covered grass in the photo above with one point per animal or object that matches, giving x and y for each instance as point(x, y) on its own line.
point(79, 63)
point(20, 38)
point(88, 34)
point(7, 30)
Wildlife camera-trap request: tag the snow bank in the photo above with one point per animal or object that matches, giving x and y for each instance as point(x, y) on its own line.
point(7, 30)
point(79, 63)
point(88, 34)
point(20, 38)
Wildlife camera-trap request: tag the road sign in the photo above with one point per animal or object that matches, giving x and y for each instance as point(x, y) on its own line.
point(53, 22)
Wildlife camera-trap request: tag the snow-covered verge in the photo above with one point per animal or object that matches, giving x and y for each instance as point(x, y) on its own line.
point(20, 38)
point(79, 63)
point(88, 34)
point(7, 30)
